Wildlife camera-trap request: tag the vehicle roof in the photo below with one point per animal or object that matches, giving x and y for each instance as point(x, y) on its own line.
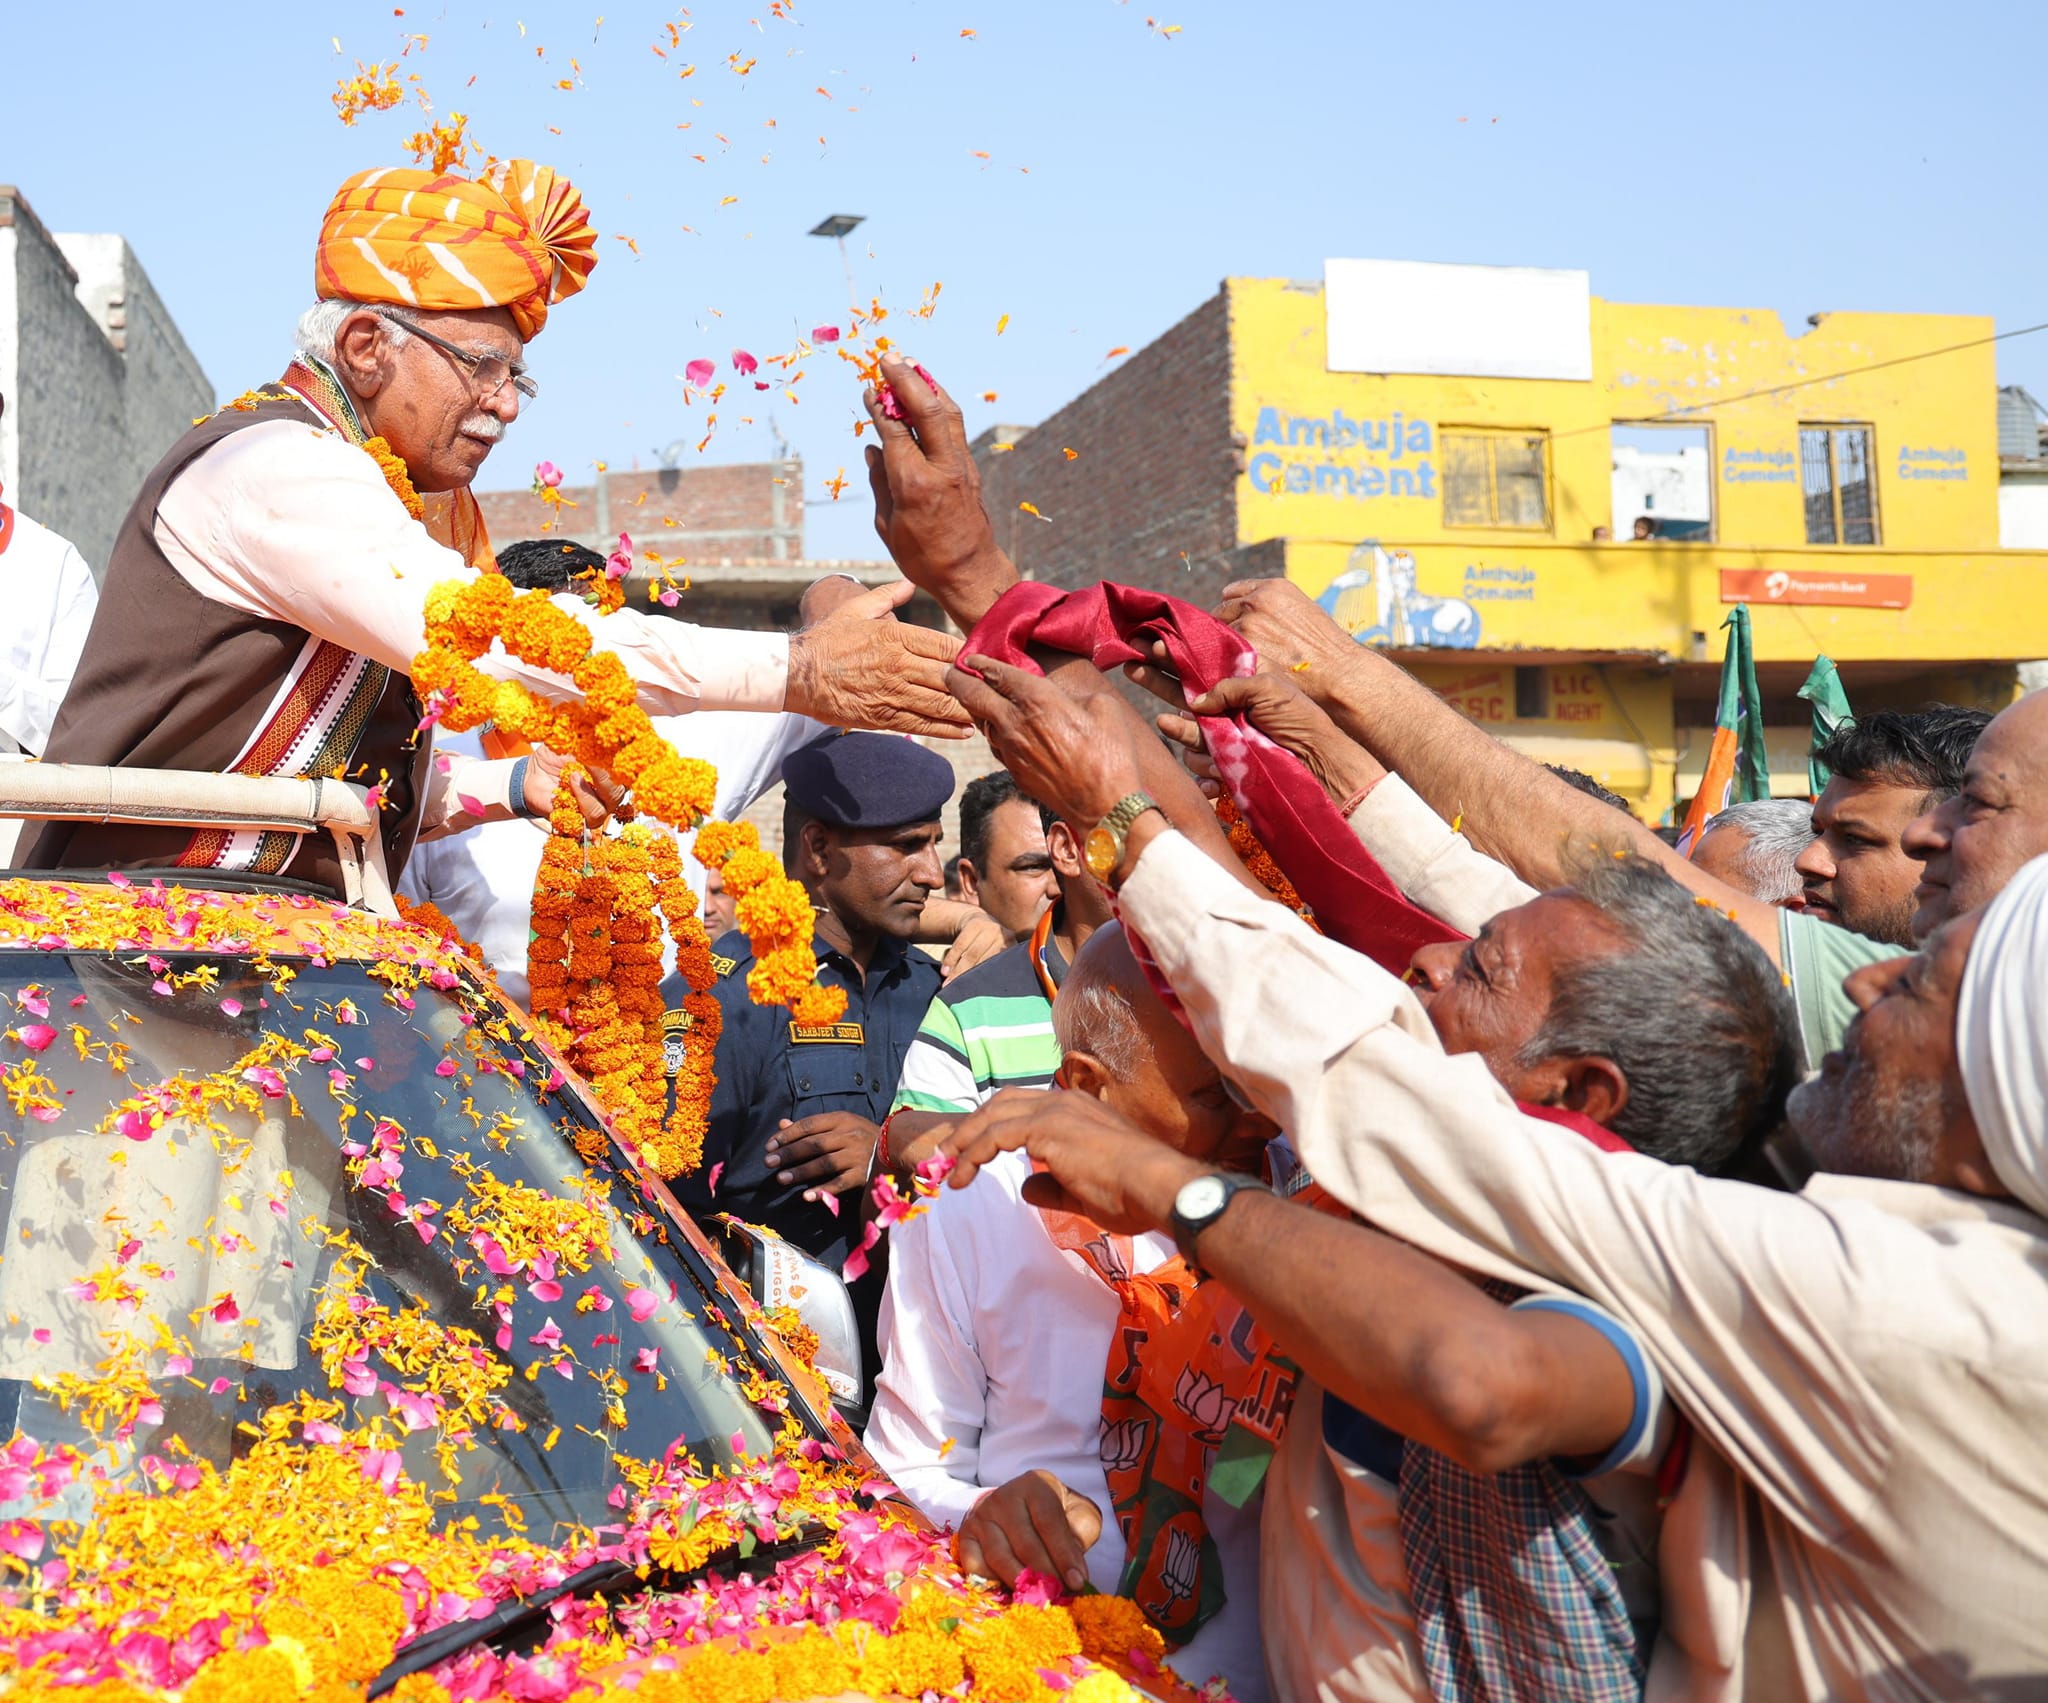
point(114, 912)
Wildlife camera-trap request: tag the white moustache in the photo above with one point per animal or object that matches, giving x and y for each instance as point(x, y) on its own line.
point(486, 426)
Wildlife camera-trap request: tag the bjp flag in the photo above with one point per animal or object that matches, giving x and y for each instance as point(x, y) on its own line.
point(1738, 767)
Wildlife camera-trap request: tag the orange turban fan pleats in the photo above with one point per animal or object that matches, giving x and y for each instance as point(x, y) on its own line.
point(517, 238)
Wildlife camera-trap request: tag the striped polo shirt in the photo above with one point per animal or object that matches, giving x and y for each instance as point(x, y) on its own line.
point(988, 1029)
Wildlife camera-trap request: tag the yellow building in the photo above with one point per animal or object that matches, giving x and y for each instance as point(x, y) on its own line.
point(1454, 460)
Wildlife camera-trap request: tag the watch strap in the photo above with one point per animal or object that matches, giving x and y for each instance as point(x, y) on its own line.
point(1187, 1230)
point(1125, 811)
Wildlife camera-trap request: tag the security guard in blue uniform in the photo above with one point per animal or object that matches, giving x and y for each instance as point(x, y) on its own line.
point(798, 1107)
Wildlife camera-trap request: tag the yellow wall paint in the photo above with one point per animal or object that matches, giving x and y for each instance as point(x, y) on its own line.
point(1338, 461)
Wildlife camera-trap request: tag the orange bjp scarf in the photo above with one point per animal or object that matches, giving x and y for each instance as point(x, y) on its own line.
point(1195, 1397)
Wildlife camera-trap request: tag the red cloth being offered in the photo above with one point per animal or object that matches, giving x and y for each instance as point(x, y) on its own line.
point(1353, 899)
point(1343, 884)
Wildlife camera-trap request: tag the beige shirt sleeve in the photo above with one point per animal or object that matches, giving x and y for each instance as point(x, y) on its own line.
point(291, 523)
point(1436, 867)
point(1764, 1312)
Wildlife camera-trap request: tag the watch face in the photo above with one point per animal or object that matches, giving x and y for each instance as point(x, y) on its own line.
point(1201, 1198)
point(1100, 851)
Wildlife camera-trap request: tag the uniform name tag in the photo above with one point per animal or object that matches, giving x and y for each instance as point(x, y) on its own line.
point(840, 1034)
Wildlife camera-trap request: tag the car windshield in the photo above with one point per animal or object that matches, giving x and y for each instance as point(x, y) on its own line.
point(249, 1199)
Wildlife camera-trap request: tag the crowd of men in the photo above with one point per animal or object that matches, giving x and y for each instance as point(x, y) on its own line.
point(1500, 1260)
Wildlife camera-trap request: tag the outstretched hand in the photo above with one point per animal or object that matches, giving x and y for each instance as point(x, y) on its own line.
point(1097, 1162)
point(1291, 635)
point(1076, 757)
point(928, 509)
point(860, 667)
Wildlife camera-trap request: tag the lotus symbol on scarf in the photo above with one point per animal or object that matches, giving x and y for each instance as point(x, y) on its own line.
point(1123, 1444)
point(1104, 1254)
point(1203, 1400)
point(1182, 1564)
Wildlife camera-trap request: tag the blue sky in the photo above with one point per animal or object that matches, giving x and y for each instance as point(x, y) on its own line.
point(1881, 158)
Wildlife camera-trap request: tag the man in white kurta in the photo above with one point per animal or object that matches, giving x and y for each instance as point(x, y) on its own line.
point(49, 599)
point(996, 1342)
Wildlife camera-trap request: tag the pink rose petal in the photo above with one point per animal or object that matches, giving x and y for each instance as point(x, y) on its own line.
point(698, 374)
point(824, 334)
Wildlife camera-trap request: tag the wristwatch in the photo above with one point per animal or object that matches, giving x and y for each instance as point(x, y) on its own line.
point(1201, 1201)
point(1103, 850)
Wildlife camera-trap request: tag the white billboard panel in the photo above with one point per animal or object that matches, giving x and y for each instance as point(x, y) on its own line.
point(1420, 316)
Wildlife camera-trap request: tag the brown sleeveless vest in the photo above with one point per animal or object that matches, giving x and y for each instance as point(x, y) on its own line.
point(170, 679)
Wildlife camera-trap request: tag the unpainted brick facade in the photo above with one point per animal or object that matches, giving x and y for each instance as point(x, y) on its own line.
point(691, 517)
point(98, 381)
point(1149, 496)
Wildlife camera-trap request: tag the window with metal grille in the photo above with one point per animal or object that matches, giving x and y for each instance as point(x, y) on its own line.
point(1496, 479)
point(1838, 474)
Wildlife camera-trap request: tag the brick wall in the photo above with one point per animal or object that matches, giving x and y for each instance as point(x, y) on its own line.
point(702, 516)
point(1153, 477)
point(99, 382)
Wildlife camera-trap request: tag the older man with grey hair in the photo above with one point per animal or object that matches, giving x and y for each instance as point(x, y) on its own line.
point(1755, 848)
point(1864, 1363)
point(266, 595)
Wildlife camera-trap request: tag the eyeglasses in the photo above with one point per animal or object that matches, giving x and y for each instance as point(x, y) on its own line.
point(488, 373)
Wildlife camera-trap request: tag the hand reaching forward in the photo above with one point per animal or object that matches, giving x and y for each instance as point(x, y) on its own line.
point(860, 667)
point(1077, 758)
point(1287, 629)
point(928, 510)
point(1279, 708)
point(1097, 1162)
point(1034, 1521)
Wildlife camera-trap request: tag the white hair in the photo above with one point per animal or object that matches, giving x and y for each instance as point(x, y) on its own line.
point(1779, 829)
point(1093, 1015)
point(321, 323)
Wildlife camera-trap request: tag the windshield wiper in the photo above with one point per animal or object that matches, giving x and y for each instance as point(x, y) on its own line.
point(525, 1615)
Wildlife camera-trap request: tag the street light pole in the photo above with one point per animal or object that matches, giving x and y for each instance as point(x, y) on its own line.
point(837, 226)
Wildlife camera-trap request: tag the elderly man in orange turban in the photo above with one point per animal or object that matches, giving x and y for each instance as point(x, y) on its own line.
point(266, 594)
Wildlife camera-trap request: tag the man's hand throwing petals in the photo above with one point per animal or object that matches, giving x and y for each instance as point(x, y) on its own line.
point(928, 509)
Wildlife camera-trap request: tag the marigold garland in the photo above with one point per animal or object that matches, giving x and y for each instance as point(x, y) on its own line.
point(1258, 860)
point(609, 730)
point(778, 918)
point(396, 474)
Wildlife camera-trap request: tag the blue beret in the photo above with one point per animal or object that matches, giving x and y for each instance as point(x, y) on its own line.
point(868, 780)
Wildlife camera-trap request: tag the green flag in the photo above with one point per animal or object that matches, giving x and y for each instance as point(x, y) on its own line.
point(1823, 690)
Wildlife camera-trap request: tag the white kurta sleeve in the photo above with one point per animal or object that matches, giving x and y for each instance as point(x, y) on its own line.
point(465, 791)
point(933, 1386)
point(1438, 869)
point(1757, 1307)
point(51, 598)
point(289, 522)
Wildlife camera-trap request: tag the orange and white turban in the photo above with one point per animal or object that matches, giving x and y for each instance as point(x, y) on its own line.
point(519, 237)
